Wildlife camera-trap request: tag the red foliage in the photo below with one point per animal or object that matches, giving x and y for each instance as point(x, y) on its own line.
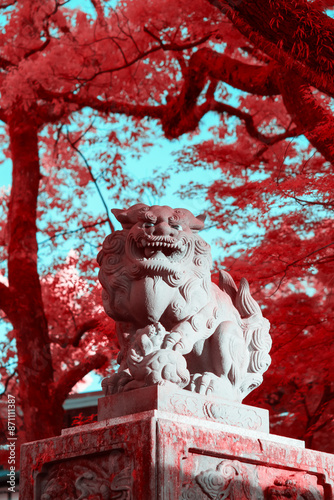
point(81, 419)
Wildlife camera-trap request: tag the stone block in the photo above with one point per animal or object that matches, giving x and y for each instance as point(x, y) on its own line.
point(178, 401)
point(164, 454)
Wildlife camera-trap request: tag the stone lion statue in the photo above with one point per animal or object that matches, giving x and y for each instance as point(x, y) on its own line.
point(173, 324)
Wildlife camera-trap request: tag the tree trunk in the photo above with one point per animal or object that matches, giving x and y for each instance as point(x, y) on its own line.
point(35, 371)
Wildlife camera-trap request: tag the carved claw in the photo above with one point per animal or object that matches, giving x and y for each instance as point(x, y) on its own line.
point(171, 340)
point(208, 383)
point(178, 342)
point(203, 384)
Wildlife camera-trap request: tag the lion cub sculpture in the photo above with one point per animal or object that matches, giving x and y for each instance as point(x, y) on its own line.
point(173, 324)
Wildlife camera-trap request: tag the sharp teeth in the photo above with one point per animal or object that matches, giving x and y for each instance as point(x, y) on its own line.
point(143, 242)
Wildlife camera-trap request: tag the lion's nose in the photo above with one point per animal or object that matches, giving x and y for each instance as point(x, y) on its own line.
point(164, 229)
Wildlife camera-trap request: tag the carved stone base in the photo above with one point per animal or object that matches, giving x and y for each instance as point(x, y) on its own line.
point(166, 454)
point(172, 399)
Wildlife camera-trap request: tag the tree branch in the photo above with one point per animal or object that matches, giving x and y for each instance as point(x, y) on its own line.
point(296, 35)
point(93, 179)
point(109, 106)
point(255, 79)
point(182, 114)
point(73, 231)
point(82, 329)
point(79, 333)
point(71, 377)
point(8, 379)
point(309, 114)
point(250, 126)
point(291, 264)
point(173, 47)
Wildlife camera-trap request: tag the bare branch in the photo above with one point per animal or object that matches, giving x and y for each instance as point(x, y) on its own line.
point(73, 231)
point(93, 179)
point(173, 47)
point(37, 49)
point(304, 203)
point(250, 126)
point(8, 379)
point(291, 264)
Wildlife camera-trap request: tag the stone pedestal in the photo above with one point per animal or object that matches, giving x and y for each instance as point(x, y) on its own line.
point(157, 443)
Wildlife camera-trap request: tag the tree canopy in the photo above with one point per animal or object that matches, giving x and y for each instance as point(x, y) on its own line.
point(84, 86)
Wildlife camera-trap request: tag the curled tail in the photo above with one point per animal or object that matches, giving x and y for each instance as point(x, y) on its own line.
point(255, 330)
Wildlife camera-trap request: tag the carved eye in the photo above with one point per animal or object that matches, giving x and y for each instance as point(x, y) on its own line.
point(177, 226)
point(148, 224)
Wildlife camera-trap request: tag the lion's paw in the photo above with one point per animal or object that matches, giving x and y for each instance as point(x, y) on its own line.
point(208, 383)
point(178, 342)
point(115, 383)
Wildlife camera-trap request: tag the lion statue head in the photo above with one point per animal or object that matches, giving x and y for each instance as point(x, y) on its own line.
point(159, 242)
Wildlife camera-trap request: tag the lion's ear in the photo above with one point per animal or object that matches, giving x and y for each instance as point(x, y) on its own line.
point(121, 216)
point(201, 217)
point(199, 222)
point(128, 217)
point(118, 213)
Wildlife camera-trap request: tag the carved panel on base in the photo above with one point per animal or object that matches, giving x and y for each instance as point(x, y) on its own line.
point(235, 480)
point(100, 477)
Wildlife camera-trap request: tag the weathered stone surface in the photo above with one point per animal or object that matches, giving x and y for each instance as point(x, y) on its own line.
point(173, 323)
point(177, 401)
point(154, 455)
point(103, 475)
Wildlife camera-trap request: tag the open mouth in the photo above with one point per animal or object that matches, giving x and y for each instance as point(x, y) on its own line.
point(158, 248)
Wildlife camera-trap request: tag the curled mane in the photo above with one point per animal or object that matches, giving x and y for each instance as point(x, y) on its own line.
point(116, 275)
